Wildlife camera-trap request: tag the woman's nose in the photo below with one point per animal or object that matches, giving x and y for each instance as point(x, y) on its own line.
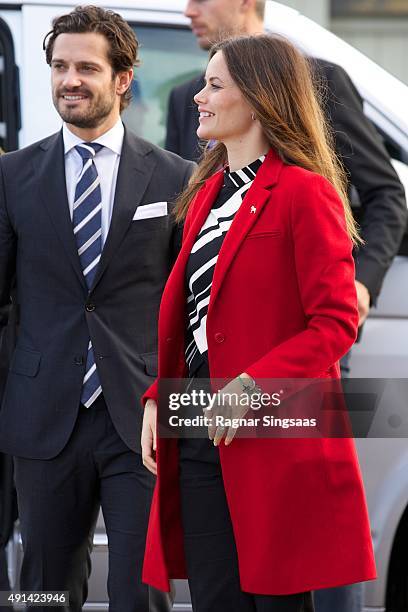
point(200, 96)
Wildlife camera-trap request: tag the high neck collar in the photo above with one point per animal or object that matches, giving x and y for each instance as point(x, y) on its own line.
point(238, 178)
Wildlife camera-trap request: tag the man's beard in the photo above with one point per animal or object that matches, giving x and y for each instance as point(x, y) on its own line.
point(92, 116)
point(223, 33)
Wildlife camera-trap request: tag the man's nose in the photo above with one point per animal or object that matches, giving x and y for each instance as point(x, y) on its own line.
point(71, 78)
point(191, 10)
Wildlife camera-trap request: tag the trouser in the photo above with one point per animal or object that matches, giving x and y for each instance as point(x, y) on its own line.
point(347, 598)
point(340, 599)
point(59, 501)
point(4, 581)
point(209, 544)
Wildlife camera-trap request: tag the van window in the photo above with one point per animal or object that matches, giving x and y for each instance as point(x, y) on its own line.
point(9, 91)
point(169, 56)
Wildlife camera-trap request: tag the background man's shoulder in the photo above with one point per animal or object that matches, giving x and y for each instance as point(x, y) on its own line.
point(325, 67)
point(337, 80)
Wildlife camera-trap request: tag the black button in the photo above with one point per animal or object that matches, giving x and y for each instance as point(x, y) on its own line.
point(89, 307)
point(78, 360)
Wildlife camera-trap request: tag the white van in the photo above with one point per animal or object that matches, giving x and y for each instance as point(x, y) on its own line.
point(170, 56)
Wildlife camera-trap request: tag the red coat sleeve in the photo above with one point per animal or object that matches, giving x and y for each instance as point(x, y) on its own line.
point(151, 393)
point(326, 280)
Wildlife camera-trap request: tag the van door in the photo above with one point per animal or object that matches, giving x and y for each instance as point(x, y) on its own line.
point(9, 91)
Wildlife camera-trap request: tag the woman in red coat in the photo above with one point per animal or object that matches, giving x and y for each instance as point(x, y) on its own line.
point(263, 288)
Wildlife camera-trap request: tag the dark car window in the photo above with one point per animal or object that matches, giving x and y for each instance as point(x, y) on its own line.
point(169, 55)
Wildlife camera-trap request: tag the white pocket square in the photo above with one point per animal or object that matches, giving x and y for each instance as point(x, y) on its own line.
point(148, 211)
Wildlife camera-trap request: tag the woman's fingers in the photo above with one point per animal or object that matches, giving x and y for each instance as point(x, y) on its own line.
point(148, 451)
point(230, 435)
point(150, 464)
point(211, 428)
point(154, 434)
point(149, 439)
point(219, 434)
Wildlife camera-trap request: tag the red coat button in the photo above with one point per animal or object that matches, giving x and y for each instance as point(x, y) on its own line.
point(169, 339)
point(219, 338)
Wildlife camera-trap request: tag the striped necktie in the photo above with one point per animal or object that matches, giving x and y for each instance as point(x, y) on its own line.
point(87, 222)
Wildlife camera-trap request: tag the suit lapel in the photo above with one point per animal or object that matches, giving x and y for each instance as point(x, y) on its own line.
point(247, 215)
point(135, 171)
point(50, 169)
point(205, 199)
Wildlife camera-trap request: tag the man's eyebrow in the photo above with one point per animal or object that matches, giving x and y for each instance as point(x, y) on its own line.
point(56, 60)
point(88, 63)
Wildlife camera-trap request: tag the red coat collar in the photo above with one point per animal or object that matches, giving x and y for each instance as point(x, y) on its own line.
point(250, 209)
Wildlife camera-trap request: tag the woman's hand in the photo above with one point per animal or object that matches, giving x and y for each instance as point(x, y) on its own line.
point(229, 409)
point(149, 436)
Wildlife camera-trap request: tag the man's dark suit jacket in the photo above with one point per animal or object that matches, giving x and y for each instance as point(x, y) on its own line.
point(57, 315)
point(382, 213)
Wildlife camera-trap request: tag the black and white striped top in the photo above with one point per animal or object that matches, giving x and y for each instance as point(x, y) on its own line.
point(204, 255)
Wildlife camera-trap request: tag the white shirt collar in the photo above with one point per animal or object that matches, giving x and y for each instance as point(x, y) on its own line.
point(112, 139)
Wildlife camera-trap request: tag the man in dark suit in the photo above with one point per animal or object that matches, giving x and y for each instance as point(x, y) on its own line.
point(382, 211)
point(85, 231)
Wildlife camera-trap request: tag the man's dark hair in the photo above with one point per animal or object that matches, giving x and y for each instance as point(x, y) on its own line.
point(123, 44)
point(260, 8)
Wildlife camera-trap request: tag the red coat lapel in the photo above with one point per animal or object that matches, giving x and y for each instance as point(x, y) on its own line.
point(245, 218)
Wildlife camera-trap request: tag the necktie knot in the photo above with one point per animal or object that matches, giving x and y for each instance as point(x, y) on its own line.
point(88, 150)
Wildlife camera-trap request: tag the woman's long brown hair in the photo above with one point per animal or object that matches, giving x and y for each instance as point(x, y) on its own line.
point(276, 80)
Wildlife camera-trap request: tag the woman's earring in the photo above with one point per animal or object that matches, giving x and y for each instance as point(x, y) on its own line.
point(253, 116)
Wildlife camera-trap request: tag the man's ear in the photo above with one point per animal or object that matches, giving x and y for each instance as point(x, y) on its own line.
point(124, 80)
point(248, 6)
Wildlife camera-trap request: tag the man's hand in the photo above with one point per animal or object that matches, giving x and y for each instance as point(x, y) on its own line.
point(149, 436)
point(363, 301)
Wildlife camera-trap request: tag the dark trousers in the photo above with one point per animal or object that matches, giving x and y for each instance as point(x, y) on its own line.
point(4, 581)
point(210, 550)
point(59, 502)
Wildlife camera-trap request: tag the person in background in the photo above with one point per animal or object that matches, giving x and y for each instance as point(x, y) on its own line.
point(263, 288)
point(85, 231)
point(381, 211)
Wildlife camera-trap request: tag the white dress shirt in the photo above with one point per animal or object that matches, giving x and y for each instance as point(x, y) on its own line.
point(107, 165)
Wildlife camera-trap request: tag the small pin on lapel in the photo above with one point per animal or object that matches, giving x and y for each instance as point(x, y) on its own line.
point(253, 209)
